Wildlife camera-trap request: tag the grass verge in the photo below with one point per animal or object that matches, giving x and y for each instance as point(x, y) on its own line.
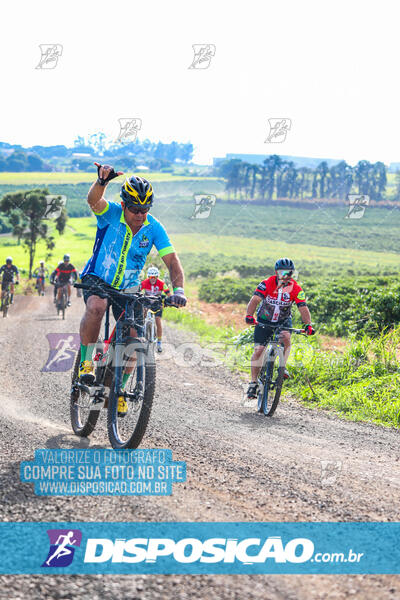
point(361, 383)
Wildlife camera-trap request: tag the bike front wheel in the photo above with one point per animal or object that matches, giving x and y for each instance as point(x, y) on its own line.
point(83, 416)
point(126, 429)
point(271, 381)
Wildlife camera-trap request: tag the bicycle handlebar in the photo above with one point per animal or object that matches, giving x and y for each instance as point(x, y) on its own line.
point(137, 296)
point(292, 329)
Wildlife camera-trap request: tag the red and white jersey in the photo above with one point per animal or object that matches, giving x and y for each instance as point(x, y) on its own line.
point(154, 290)
point(277, 302)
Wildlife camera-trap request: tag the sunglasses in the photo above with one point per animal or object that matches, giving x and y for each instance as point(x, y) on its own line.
point(284, 273)
point(137, 210)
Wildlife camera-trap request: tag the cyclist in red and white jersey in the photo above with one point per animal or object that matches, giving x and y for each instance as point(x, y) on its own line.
point(154, 286)
point(63, 274)
point(276, 294)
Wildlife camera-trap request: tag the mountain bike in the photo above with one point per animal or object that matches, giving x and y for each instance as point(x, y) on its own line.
point(40, 285)
point(61, 304)
point(118, 352)
point(5, 301)
point(271, 376)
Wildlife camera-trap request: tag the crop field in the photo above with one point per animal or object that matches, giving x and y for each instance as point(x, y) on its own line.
point(48, 178)
point(80, 233)
point(75, 186)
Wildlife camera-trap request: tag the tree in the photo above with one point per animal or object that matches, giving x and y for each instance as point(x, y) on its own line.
point(26, 212)
point(272, 164)
point(35, 163)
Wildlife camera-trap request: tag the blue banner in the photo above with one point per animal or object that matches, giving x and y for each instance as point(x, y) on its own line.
point(193, 548)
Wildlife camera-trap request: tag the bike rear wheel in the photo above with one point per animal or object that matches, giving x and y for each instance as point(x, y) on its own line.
point(127, 431)
point(64, 303)
point(271, 381)
point(83, 416)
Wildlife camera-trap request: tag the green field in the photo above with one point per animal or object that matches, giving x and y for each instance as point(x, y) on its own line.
point(81, 177)
point(80, 233)
point(75, 186)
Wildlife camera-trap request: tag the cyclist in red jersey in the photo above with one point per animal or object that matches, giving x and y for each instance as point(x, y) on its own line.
point(276, 294)
point(62, 275)
point(155, 287)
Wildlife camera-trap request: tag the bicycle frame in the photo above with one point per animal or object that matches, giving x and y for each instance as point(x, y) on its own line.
point(274, 341)
point(119, 341)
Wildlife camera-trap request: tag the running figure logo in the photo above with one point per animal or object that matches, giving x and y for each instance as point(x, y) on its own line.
point(357, 206)
point(278, 129)
point(128, 129)
point(203, 54)
point(63, 347)
point(203, 203)
point(330, 470)
point(54, 206)
point(62, 542)
point(50, 55)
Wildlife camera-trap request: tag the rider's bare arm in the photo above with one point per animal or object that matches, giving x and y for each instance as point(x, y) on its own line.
point(305, 314)
point(175, 269)
point(252, 305)
point(95, 198)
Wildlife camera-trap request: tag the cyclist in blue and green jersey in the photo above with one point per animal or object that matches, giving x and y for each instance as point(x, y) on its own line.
point(125, 235)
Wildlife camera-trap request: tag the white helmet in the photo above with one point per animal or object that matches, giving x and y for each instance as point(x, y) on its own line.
point(153, 272)
point(9, 259)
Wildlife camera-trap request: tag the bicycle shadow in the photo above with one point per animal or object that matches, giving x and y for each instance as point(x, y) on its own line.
point(252, 418)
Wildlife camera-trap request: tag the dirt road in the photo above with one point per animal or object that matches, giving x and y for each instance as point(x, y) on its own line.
point(302, 465)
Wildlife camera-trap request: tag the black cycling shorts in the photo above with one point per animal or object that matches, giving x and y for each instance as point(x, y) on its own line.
point(116, 304)
point(262, 335)
point(5, 283)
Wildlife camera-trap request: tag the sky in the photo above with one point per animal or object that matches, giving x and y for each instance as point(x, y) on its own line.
point(329, 67)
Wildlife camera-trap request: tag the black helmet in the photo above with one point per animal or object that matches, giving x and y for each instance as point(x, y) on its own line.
point(66, 257)
point(284, 264)
point(136, 190)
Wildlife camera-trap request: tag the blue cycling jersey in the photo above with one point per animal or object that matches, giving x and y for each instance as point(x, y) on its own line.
point(118, 255)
